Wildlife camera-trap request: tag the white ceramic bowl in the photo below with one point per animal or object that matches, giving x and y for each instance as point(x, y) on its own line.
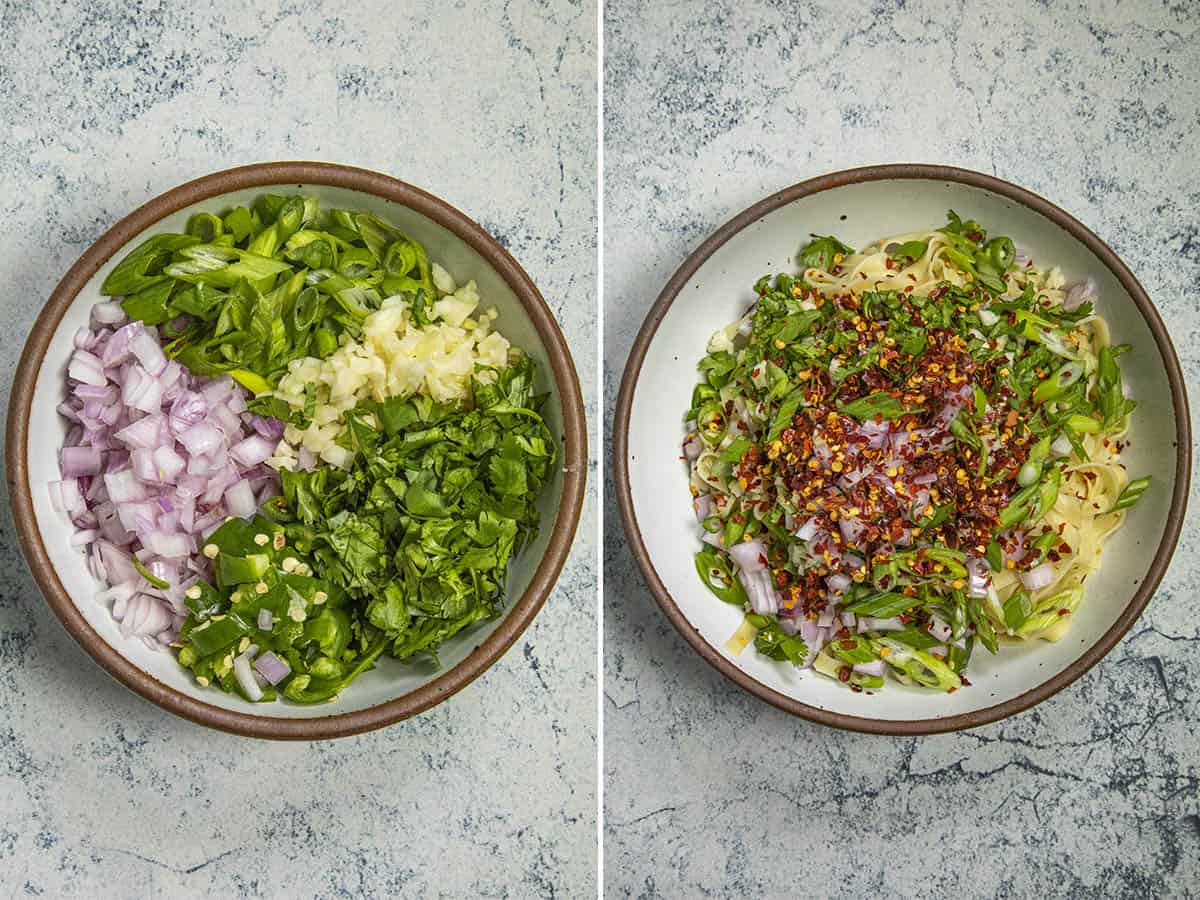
point(714, 287)
point(392, 691)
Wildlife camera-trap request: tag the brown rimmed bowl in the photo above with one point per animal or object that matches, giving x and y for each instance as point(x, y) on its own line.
point(713, 287)
point(392, 691)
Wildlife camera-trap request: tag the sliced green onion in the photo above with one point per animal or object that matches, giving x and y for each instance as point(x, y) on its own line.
point(1132, 493)
point(1030, 473)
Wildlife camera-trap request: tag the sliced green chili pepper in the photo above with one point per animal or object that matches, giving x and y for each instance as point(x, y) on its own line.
point(717, 574)
point(217, 633)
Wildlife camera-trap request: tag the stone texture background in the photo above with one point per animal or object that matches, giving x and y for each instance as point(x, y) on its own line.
point(490, 105)
point(710, 107)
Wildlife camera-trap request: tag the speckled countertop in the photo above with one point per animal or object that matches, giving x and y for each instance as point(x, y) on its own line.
point(492, 107)
point(710, 792)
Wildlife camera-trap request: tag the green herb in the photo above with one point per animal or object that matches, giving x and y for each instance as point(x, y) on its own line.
point(773, 643)
point(420, 531)
point(1017, 609)
point(878, 404)
point(908, 252)
point(819, 253)
point(736, 450)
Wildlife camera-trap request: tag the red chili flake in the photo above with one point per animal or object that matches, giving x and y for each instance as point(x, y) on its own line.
point(1064, 612)
point(965, 682)
point(844, 673)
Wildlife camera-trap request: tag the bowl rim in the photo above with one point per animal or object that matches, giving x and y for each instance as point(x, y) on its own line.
point(519, 614)
point(904, 172)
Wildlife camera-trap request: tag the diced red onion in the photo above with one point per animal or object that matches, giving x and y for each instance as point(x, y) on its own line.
point(272, 668)
point(206, 467)
point(808, 530)
point(875, 668)
point(266, 619)
point(87, 368)
point(979, 577)
point(252, 451)
point(227, 420)
point(692, 447)
point(145, 348)
point(852, 529)
point(76, 462)
point(142, 434)
point(848, 619)
point(855, 475)
point(170, 546)
point(703, 507)
point(1038, 577)
point(170, 464)
point(749, 555)
point(83, 537)
point(218, 390)
point(188, 409)
point(1079, 293)
point(108, 313)
point(939, 629)
point(201, 439)
point(123, 486)
point(877, 434)
point(271, 429)
point(126, 485)
point(760, 591)
point(240, 501)
point(838, 582)
point(116, 350)
point(56, 497)
point(245, 676)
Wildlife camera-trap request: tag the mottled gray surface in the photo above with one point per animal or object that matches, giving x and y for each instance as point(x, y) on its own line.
point(710, 792)
point(489, 105)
